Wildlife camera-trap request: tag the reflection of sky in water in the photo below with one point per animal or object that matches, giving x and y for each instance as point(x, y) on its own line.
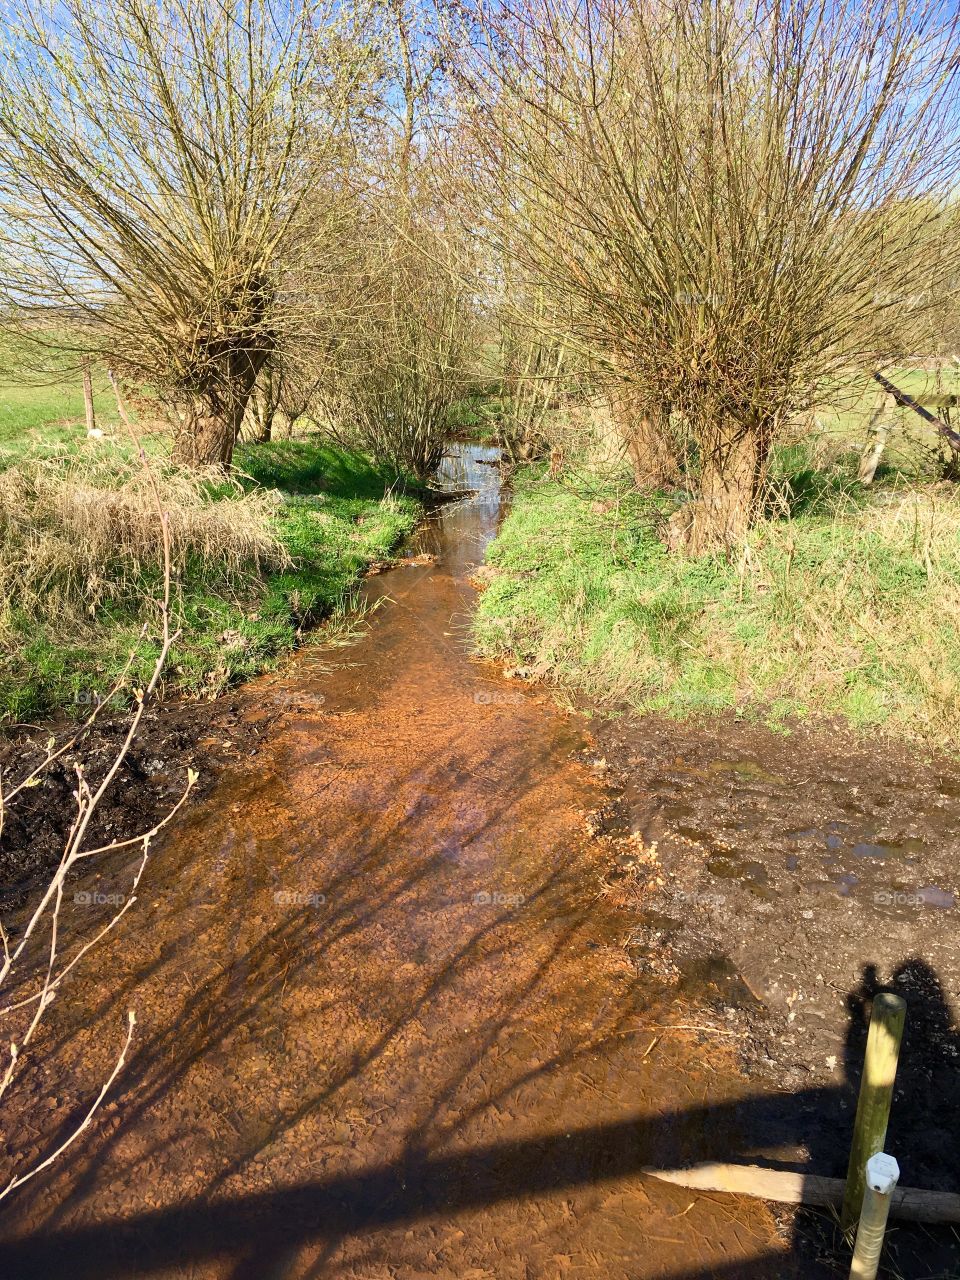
point(936, 897)
point(836, 836)
point(468, 466)
point(874, 850)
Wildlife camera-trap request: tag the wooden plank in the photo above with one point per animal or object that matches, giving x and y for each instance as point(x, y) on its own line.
point(786, 1187)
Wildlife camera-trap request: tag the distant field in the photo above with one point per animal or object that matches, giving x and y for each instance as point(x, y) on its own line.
point(50, 414)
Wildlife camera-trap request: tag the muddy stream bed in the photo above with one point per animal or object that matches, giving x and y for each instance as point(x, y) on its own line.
point(419, 992)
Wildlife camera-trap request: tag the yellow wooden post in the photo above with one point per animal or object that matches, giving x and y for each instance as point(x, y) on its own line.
point(876, 1093)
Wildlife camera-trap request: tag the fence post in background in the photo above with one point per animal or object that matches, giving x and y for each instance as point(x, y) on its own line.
point(876, 1093)
point(877, 432)
point(883, 1174)
point(88, 396)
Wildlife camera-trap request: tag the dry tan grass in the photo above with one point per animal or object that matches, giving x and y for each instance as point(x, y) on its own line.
point(73, 537)
point(862, 613)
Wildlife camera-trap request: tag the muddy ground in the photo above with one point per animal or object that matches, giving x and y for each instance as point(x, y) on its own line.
point(174, 736)
point(787, 878)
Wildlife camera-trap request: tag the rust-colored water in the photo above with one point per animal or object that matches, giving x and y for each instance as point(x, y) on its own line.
point(384, 1026)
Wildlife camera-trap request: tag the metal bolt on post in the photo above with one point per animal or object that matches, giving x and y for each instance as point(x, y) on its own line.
point(883, 1174)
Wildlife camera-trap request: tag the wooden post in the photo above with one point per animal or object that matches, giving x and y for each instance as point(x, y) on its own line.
point(88, 397)
point(876, 1093)
point(883, 1174)
point(870, 459)
point(877, 432)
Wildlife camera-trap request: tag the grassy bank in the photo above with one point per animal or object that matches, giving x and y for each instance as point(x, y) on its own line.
point(257, 561)
point(849, 606)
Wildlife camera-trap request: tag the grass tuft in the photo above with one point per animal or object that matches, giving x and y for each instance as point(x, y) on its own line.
point(77, 538)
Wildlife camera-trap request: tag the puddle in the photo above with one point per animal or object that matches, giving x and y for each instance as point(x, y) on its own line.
point(846, 882)
point(751, 874)
point(845, 837)
point(933, 896)
point(908, 849)
point(746, 769)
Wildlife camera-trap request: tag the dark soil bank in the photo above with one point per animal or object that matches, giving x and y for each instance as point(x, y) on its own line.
point(174, 736)
point(789, 878)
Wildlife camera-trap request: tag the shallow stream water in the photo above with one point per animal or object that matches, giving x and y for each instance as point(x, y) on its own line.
point(386, 1025)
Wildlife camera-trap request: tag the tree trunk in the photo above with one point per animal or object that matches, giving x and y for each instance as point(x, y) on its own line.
point(651, 450)
point(731, 490)
point(265, 404)
point(206, 437)
point(645, 430)
point(211, 424)
point(260, 420)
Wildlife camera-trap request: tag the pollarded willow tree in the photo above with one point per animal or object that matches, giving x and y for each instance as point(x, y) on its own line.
point(733, 199)
point(392, 378)
point(153, 169)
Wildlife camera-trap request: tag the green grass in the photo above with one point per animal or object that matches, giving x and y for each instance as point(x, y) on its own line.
point(850, 608)
point(49, 414)
point(44, 410)
point(339, 512)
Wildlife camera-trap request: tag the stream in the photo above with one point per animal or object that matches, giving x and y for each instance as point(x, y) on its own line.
point(386, 1025)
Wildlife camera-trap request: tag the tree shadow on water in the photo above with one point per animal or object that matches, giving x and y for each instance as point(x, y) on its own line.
point(261, 1235)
